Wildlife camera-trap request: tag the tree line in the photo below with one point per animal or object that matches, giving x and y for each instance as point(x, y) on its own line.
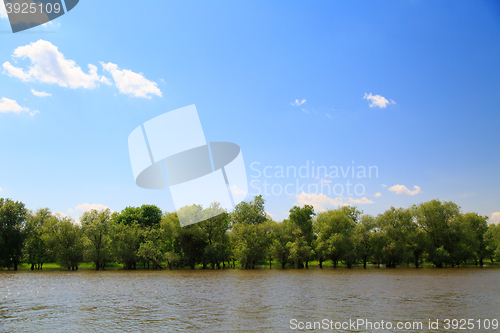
point(432, 232)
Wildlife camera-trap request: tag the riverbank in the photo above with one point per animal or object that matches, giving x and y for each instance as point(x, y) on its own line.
point(260, 266)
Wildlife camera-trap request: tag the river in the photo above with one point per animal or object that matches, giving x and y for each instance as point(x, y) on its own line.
point(247, 300)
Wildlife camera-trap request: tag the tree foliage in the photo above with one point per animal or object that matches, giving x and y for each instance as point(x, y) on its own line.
point(435, 232)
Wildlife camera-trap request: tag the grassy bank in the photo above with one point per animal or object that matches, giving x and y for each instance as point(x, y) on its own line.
point(260, 265)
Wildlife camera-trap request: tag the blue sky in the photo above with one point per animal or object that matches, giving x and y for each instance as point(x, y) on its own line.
point(408, 87)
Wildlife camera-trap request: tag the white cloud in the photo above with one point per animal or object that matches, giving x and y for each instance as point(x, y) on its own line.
point(130, 83)
point(235, 190)
point(378, 194)
point(384, 186)
point(59, 214)
point(298, 103)
point(401, 189)
point(1, 189)
point(328, 115)
point(362, 201)
point(9, 105)
point(86, 207)
point(48, 65)
point(377, 100)
point(3, 12)
point(40, 93)
point(318, 201)
point(495, 217)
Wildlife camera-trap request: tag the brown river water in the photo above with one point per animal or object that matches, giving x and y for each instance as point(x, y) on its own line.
point(250, 300)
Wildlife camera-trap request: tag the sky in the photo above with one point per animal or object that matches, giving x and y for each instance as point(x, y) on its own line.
point(403, 93)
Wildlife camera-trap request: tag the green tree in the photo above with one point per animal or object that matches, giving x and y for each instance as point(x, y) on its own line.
point(13, 217)
point(418, 243)
point(152, 249)
point(35, 246)
point(363, 237)
point(281, 235)
point(251, 213)
point(216, 228)
point(250, 233)
point(475, 227)
point(146, 216)
point(96, 226)
point(64, 239)
point(193, 241)
point(299, 250)
point(170, 230)
point(125, 243)
point(458, 247)
point(301, 247)
point(334, 228)
point(379, 241)
point(396, 224)
point(434, 218)
point(492, 239)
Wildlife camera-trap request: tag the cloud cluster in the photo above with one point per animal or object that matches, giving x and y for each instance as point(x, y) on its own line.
point(318, 201)
point(298, 103)
point(60, 215)
point(362, 201)
point(321, 202)
point(377, 100)
point(495, 217)
point(11, 106)
point(401, 189)
point(130, 83)
point(85, 207)
point(48, 65)
point(40, 93)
